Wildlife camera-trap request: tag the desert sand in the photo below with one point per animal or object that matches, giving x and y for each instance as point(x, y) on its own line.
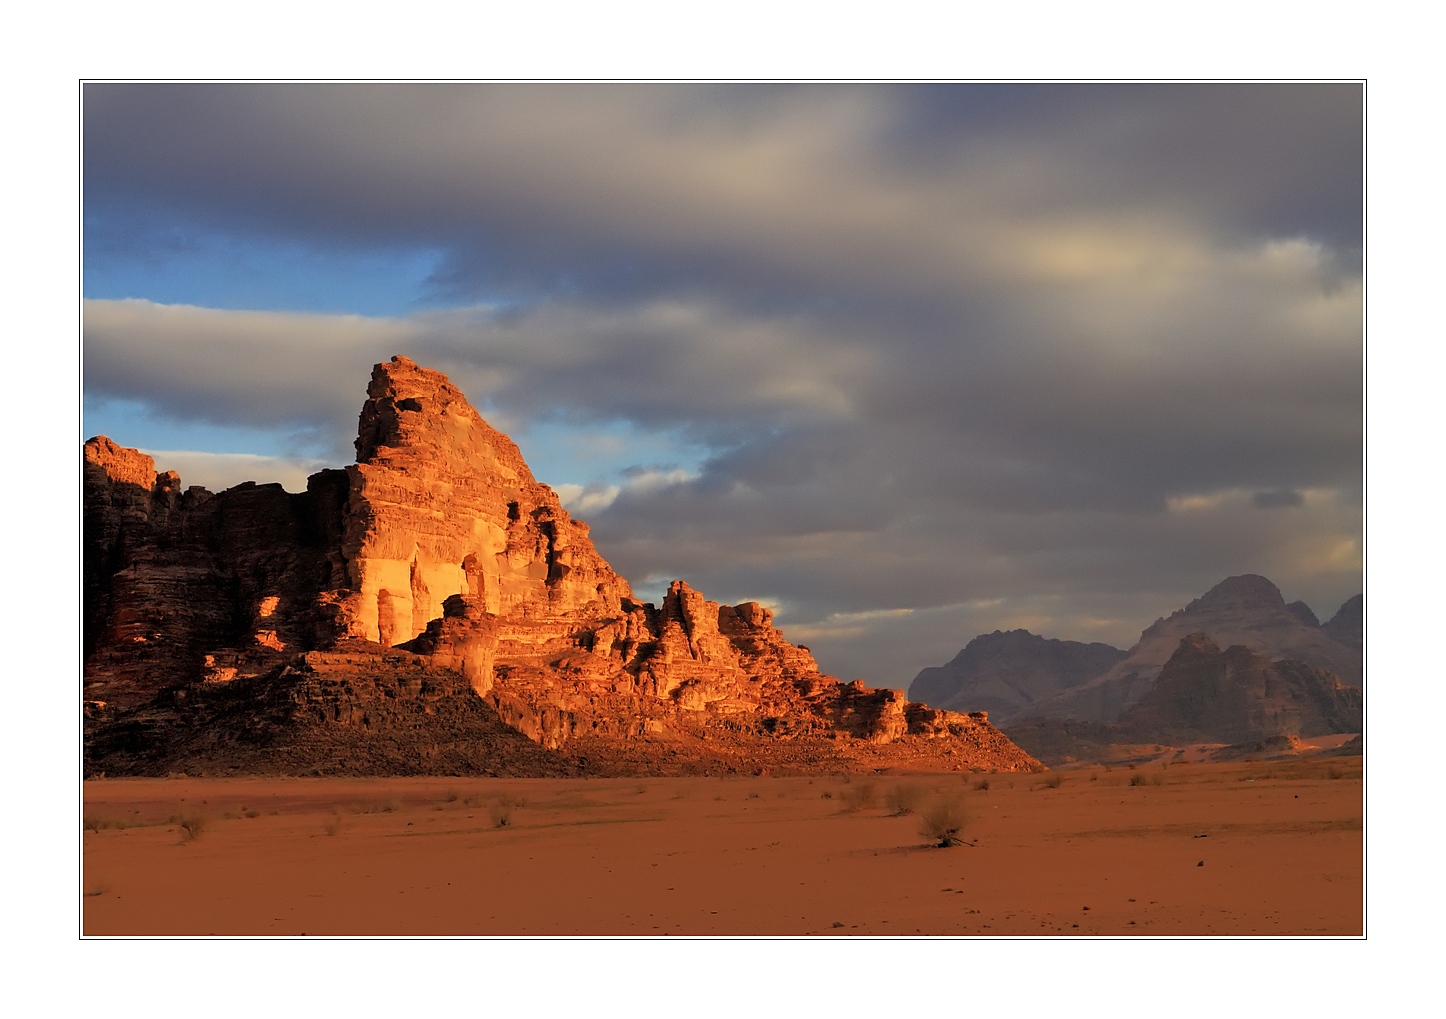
point(1245, 848)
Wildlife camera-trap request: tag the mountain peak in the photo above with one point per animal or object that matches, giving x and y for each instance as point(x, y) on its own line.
point(1248, 589)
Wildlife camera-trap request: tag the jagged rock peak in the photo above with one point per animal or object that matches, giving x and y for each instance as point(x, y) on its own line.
point(441, 504)
point(119, 463)
point(419, 410)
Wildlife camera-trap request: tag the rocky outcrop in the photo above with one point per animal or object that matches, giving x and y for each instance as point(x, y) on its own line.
point(438, 554)
point(1236, 695)
point(1203, 694)
point(1247, 610)
point(1005, 673)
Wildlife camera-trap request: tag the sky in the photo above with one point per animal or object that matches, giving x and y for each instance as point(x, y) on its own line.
point(909, 363)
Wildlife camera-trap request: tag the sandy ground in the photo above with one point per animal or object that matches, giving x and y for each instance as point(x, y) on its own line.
point(1282, 853)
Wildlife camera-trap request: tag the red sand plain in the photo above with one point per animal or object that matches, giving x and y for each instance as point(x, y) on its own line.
point(1282, 853)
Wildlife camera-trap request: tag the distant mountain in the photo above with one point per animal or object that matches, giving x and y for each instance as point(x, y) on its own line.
point(1005, 672)
point(1303, 612)
point(1349, 624)
point(1206, 695)
point(1247, 610)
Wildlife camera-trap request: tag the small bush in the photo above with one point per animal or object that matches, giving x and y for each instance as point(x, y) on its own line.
point(858, 797)
point(95, 823)
point(194, 826)
point(501, 814)
point(1053, 780)
point(942, 823)
point(333, 827)
point(904, 799)
point(982, 785)
point(1137, 780)
point(825, 795)
point(1334, 773)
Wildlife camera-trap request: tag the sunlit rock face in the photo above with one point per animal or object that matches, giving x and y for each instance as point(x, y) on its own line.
point(442, 504)
point(439, 546)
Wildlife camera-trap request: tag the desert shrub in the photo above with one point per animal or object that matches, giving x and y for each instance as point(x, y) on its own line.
point(501, 813)
point(193, 825)
point(942, 823)
point(1137, 780)
point(451, 796)
point(982, 785)
point(904, 798)
point(1053, 780)
point(754, 795)
point(95, 823)
point(859, 796)
point(1334, 773)
point(333, 826)
point(825, 795)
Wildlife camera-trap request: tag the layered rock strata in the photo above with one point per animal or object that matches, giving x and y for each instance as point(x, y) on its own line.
point(438, 554)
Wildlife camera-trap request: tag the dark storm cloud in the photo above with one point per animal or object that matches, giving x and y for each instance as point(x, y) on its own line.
point(964, 356)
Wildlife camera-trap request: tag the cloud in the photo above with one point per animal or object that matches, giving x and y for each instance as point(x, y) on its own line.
point(1278, 499)
point(943, 359)
point(219, 471)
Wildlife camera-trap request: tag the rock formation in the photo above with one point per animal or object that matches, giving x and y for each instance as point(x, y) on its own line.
point(1204, 694)
point(1236, 695)
point(361, 626)
point(1246, 610)
point(1005, 673)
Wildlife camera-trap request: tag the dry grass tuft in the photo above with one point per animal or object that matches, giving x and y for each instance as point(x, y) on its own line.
point(904, 798)
point(194, 825)
point(942, 823)
point(1053, 780)
point(858, 796)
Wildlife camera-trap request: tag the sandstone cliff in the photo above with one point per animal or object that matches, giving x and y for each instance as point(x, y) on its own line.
point(212, 623)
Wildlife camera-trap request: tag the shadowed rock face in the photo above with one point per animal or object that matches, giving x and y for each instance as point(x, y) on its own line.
point(1246, 610)
point(1204, 694)
point(1348, 625)
point(438, 555)
point(1004, 673)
